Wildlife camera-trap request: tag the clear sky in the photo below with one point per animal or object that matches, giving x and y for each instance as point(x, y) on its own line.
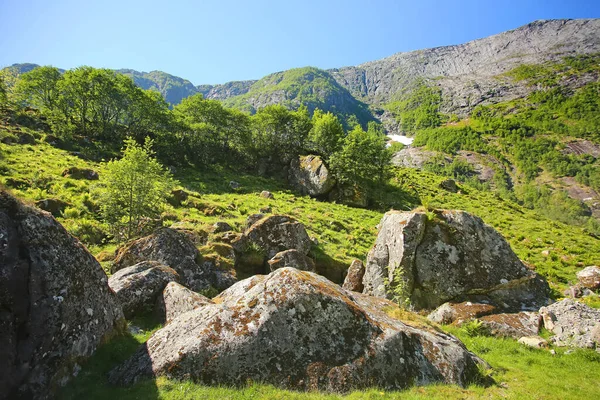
point(219, 41)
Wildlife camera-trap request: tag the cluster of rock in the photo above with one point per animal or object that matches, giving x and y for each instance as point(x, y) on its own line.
point(295, 329)
point(462, 269)
point(291, 328)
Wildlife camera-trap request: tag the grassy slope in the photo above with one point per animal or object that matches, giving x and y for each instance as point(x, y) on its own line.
point(525, 373)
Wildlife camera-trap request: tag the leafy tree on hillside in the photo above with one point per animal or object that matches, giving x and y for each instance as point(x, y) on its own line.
point(38, 87)
point(278, 133)
point(363, 159)
point(3, 96)
point(134, 190)
point(326, 135)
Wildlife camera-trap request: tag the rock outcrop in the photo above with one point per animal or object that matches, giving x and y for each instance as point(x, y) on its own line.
point(513, 325)
point(309, 175)
point(457, 313)
point(137, 287)
point(573, 324)
point(56, 304)
point(291, 258)
point(295, 329)
point(176, 300)
point(589, 277)
point(81, 173)
point(273, 234)
point(354, 277)
point(175, 249)
point(452, 257)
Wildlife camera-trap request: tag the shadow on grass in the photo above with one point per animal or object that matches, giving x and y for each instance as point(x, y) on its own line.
point(92, 381)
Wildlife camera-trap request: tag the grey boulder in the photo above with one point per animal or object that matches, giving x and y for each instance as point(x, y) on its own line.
point(138, 286)
point(449, 256)
point(309, 175)
point(56, 306)
point(176, 299)
point(291, 258)
point(574, 324)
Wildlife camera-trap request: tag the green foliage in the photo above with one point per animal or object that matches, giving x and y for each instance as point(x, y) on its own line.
point(3, 96)
point(398, 287)
point(279, 134)
point(419, 109)
point(451, 139)
point(209, 133)
point(326, 135)
point(363, 160)
point(134, 190)
point(475, 327)
point(38, 88)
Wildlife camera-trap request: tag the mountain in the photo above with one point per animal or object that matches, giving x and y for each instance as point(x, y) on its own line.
point(172, 88)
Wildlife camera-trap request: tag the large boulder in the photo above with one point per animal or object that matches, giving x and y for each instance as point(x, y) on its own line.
point(137, 287)
point(175, 249)
point(589, 277)
point(176, 300)
point(56, 306)
point(53, 206)
point(295, 329)
point(274, 233)
point(309, 175)
point(291, 258)
point(450, 256)
point(573, 324)
point(80, 173)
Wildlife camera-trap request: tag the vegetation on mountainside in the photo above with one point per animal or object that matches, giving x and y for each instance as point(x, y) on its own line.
point(309, 86)
point(529, 133)
point(173, 88)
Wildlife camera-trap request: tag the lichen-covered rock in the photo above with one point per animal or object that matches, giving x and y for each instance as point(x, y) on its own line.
point(81, 173)
point(295, 329)
point(515, 325)
point(449, 185)
point(176, 300)
point(309, 175)
point(56, 306)
point(176, 250)
point(353, 280)
point(589, 277)
point(454, 257)
point(253, 218)
point(573, 324)
point(137, 287)
point(273, 234)
point(450, 313)
point(533, 341)
point(291, 258)
point(221, 226)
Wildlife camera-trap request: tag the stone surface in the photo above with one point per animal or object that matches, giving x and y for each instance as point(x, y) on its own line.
point(573, 324)
point(137, 287)
point(56, 306)
point(53, 206)
point(273, 234)
point(291, 258)
point(533, 341)
point(221, 226)
point(449, 313)
point(295, 329)
point(354, 277)
point(178, 196)
point(266, 194)
point(452, 257)
point(449, 185)
point(234, 185)
point(176, 250)
point(514, 325)
point(81, 173)
point(176, 299)
point(309, 175)
point(589, 277)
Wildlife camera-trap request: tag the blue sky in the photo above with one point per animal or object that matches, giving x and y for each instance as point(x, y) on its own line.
point(220, 41)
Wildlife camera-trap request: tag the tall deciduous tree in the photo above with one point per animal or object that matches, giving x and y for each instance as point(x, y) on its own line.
point(38, 87)
point(134, 189)
point(327, 134)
